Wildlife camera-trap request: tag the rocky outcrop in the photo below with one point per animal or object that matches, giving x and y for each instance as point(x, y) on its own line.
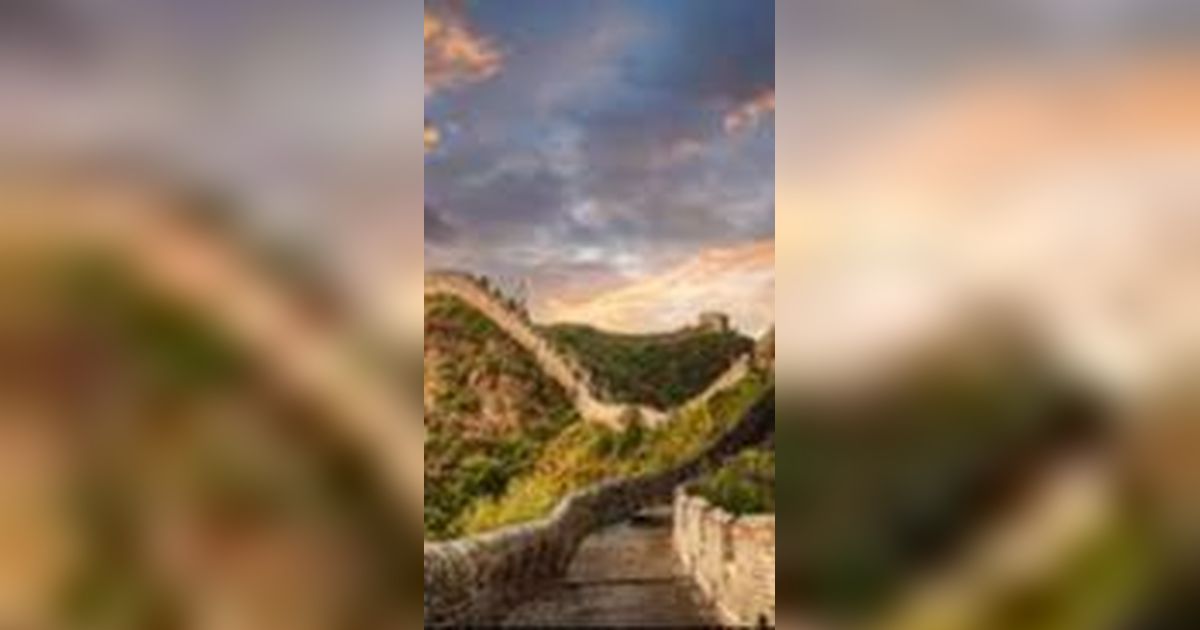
point(568, 372)
point(475, 580)
point(732, 559)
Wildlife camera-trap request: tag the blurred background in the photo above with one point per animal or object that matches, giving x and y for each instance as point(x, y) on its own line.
point(988, 219)
point(209, 271)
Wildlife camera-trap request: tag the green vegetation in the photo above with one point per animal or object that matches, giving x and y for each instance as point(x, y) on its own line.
point(585, 454)
point(662, 371)
point(489, 413)
point(744, 485)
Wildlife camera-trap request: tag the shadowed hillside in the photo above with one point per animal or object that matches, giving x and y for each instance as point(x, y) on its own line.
point(489, 409)
point(661, 371)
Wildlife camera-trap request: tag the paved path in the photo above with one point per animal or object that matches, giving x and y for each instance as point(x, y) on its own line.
point(627, 575)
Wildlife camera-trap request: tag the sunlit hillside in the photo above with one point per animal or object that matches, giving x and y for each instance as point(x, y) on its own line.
point(488, 411)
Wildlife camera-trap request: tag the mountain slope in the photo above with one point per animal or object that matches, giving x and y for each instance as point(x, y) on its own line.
point(488, 411)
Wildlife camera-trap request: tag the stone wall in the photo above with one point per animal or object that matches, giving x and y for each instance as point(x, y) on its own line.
point(731, 558)
point(475, 580)
point(564, 369)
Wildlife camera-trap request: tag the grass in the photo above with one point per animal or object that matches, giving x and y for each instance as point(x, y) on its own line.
point(585, 454)
point(662, 371)
point(744, 485)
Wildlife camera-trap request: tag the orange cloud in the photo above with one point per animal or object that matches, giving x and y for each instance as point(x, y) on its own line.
point(736, 280)
point(749, 113)
point(433, 137)
point(455, 54)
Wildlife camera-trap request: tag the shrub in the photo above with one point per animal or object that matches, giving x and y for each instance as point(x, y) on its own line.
point(744, 485)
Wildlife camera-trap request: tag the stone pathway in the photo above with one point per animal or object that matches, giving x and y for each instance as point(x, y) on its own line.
point(627, 575)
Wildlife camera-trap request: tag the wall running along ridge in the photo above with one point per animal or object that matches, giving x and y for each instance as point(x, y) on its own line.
point(564, 369)
point(731, 558)
point(476, 580)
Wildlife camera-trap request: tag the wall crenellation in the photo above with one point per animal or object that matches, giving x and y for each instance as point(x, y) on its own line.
point(731, 559)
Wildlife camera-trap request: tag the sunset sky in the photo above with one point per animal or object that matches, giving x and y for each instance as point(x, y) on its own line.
point(618, 156)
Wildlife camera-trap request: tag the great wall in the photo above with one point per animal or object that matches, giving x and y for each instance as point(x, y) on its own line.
point(731, 558)
point(481, 579)
point(494, 577)
point(592, 405)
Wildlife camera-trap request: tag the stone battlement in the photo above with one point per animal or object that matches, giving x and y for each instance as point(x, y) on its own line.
point(731, 558)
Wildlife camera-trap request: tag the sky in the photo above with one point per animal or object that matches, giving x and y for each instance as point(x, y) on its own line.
point(614, 161)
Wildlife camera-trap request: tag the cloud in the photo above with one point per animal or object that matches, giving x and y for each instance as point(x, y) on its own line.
point(601, 155)
point(455, 54)
point(438, 229)
point(751, 112)
point(433, 136)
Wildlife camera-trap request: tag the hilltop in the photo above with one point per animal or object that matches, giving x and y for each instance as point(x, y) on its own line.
point(661, 371)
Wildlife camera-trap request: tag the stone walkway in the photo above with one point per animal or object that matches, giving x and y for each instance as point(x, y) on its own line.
point(627, 575)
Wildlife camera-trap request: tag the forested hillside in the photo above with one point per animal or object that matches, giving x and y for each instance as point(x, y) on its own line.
point(662, 371)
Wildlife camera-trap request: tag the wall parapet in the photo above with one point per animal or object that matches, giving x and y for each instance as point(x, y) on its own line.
point(475, 580)
point(731, 558)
